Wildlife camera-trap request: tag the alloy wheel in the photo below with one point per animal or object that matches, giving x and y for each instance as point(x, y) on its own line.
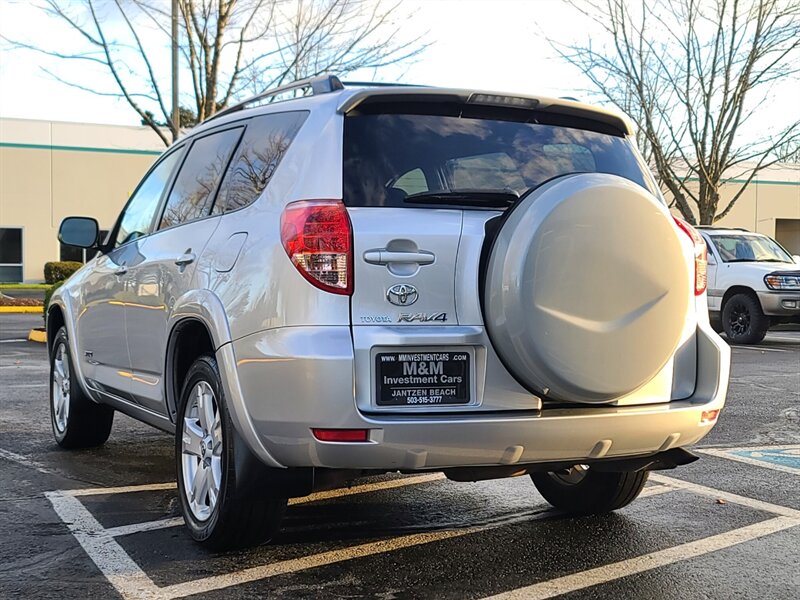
point(739, 319)
point(572, 476)
point(201, 452)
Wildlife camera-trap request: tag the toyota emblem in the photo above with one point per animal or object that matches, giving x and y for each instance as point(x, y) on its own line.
point(402, 294)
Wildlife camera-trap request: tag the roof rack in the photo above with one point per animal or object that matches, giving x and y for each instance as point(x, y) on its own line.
point(380, 84)
point(321, 84)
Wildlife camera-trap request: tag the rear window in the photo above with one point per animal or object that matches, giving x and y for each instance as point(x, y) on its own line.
point(390, 156)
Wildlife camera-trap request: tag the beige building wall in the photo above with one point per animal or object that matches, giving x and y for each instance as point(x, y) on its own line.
point(770, 205)
point(51, 170)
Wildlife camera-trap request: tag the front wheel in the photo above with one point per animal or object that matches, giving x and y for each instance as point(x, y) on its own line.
point(218, 513)
point(743, 320)
point(581, 490)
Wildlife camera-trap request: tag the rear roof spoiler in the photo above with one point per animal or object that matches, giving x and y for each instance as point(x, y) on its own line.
point(562, 106)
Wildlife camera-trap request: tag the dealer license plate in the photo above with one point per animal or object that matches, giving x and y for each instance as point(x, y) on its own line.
point(422, 378)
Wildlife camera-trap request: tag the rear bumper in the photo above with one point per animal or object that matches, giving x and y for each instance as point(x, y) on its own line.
point(780, 304)
point(290, 380)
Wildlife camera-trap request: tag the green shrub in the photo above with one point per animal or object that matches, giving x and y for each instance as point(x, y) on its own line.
point(59, 271)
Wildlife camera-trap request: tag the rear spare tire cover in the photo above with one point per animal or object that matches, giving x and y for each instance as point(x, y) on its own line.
point(587, 288)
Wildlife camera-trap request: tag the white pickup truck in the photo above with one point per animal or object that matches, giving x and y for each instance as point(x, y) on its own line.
point(753, 284)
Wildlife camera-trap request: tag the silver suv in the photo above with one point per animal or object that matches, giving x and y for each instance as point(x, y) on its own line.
point(357, 281)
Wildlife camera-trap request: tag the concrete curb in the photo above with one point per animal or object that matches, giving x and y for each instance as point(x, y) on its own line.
point(38, 335)
point(22, 309)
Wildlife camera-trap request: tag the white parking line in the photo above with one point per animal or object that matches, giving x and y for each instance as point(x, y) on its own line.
point(771, 338)
point(727, 453)
point(758, 348)
point(655, 490)
point(26, 385)
point(702, 490)
point(146, 526)
point(176, 521)
point(24, 461)
point(114, 563)
point(131, 582)
point(13, 341)
point(646, 562)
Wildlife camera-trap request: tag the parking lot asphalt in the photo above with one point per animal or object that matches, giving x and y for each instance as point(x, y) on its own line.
point(103, 523)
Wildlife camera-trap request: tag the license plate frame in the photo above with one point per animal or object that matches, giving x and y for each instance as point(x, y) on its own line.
point(423, 378)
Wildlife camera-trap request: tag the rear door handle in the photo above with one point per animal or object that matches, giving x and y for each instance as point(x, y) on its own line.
point(121, 270)
point(382, 256)
point(185, 259)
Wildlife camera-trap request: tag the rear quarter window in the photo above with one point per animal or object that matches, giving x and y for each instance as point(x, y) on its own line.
point(390, 156)
point(263, 146)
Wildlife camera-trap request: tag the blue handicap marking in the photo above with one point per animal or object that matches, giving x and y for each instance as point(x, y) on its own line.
point(786, 457)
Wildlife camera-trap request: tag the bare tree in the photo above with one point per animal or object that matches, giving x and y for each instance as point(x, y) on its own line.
point(227, 46)
point(692, 74)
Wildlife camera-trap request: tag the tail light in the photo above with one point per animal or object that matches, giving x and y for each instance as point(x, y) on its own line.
point(318, 238)
point(700, 256)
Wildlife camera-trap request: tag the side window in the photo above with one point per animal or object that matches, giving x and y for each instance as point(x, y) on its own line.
point(141, 208)
point(413, 182)
point(194, 188)
point(10, 254)
point(265, 142)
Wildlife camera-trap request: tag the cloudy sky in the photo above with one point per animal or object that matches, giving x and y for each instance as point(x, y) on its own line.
point(489, 44)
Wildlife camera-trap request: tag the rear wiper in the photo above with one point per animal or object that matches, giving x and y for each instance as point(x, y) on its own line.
point(499, 198)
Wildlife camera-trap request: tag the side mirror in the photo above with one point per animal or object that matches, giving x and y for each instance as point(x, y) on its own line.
point(79, 231)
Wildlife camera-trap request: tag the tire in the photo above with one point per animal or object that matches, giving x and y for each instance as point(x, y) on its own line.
point(77, 421)
point(220, 515)
point(582, 491)
point(743, 320)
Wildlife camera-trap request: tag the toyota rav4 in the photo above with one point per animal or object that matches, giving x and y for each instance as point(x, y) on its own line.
point(372, 279)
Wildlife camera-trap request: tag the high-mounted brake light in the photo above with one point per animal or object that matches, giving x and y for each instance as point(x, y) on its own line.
point(502, 100)
point(318, 238)
point(700, 256)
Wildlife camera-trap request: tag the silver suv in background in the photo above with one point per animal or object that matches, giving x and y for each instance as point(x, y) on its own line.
point(381, 279)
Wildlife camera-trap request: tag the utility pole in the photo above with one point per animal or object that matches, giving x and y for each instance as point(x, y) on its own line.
point(176, 116)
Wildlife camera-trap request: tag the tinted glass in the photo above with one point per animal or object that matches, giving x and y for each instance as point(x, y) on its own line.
point(412, 182)
point(265, 142)
point(10, 274)
point(71, 253)
point(90, 253)
point(10, 246)
point(452, 153)
point(138, 216)
point(194, 189)
point(746, 248)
